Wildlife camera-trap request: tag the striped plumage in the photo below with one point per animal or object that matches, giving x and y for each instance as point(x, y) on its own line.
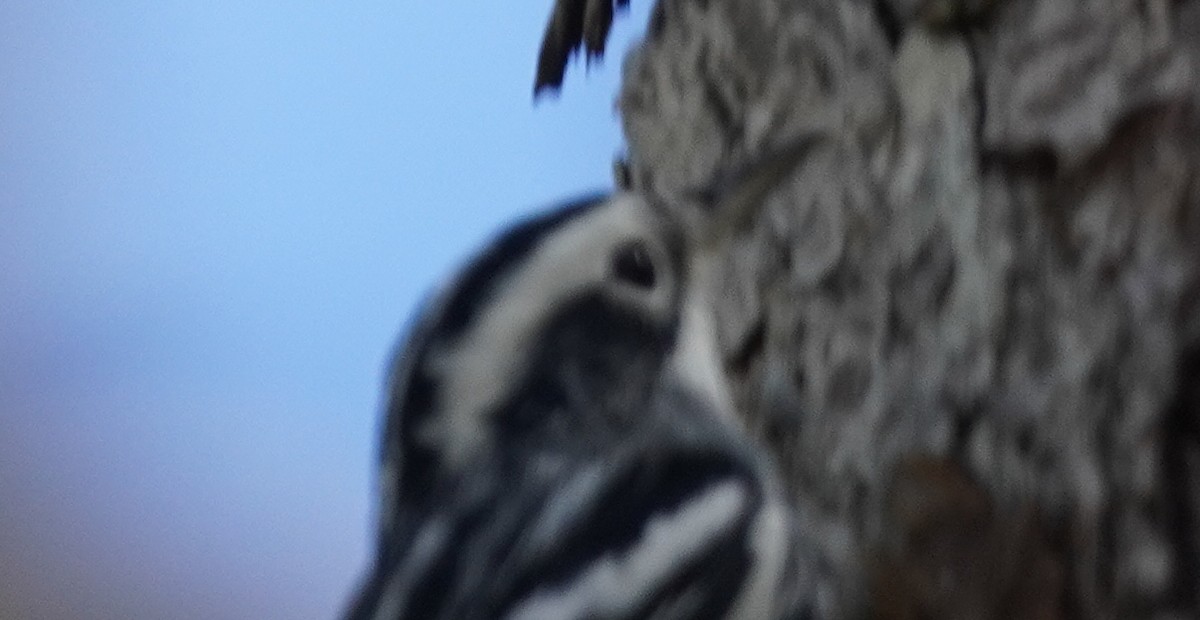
point(670, 526)
point(559, 440)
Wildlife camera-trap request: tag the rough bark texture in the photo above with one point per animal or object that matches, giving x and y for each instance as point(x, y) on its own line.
point(968, 326)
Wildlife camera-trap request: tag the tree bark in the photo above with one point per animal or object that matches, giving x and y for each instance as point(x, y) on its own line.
point(966, 328)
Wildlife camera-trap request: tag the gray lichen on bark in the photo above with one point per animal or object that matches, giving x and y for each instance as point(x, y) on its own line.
point(992, 262)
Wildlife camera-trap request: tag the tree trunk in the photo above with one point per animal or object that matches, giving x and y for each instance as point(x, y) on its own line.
point(967, 327)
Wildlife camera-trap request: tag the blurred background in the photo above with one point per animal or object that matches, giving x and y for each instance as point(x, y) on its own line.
point(215, 219)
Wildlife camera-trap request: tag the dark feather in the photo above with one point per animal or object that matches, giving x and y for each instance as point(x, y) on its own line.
point(573, 24)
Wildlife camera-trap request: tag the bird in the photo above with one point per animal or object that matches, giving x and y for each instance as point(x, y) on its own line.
point(559, 440)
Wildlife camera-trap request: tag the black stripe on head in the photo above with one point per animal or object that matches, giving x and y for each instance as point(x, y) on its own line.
point(445, 316)
point(605, 388)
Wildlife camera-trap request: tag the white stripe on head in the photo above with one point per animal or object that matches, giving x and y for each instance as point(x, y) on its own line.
point(618, 585)
point(696, 359)
point(477, 369)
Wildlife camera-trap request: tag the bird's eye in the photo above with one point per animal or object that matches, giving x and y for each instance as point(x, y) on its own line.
point(632, 264)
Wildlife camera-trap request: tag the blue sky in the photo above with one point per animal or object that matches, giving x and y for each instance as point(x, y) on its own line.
point(215, 217)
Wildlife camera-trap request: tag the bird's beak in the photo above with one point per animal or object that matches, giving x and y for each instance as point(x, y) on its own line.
point(728, 207)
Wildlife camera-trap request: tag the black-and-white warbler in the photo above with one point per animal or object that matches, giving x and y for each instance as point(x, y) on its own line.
point(559, 440)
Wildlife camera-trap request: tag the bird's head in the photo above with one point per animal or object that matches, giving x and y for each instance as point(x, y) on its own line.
point(551, 341)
